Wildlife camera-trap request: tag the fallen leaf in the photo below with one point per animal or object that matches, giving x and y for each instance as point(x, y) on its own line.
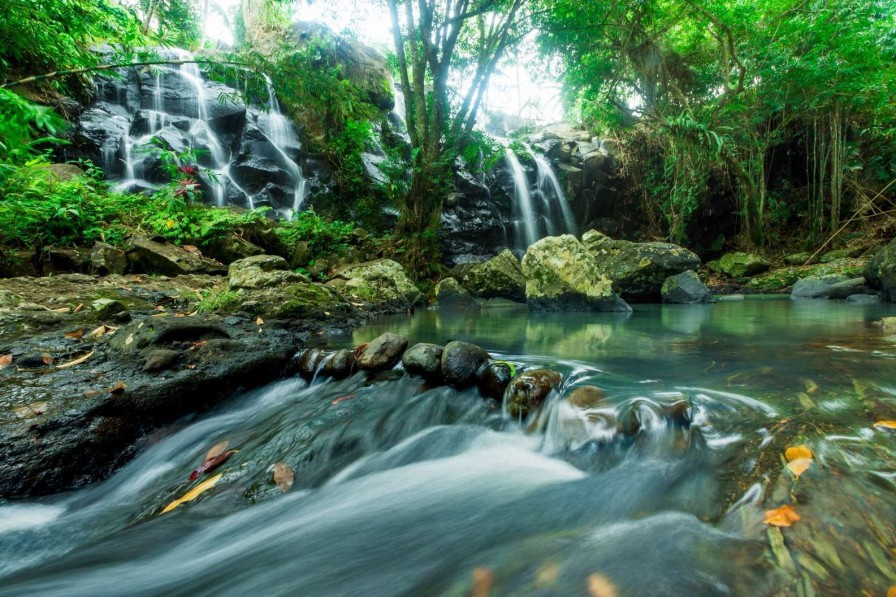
point(547, 575)
point(784, 516)
point(118, 388)
point(343, 398)
point(180, 314)
point(5, 360)
point(210, 465)
point(46, 359)
point(61, 310)
point(797, 452)
point(191, 249)
point(881, 424)
point(97, 332)
point(891, 592)
point(259, 321)
point(160, 308)
point(77, 361)
point(356, 304)
point(327, 313)
point(193, 493)
point(191, 366)
point(192, 313)
point(195, 345)
point(92, 393)
point(483, 579)
point(216, 450)
point(30, 410)
point(284, 477)
point(798, 466)
point(811, 386)
point(600, 586)
point(359, 350)
point(77, 334)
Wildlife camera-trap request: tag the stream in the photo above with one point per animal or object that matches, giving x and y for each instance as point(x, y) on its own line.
point(405, 489)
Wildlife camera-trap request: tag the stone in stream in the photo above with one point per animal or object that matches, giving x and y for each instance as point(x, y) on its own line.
point(309, 360)
point(528, 390)
point(863, 299)
point(587, 397)
point(494, 379)
point(424, 360)
point(880, 272)
point(451, 295)
point(685, 289)
point(382, 353)
point(499, 277)
point(847, 288)
point(461, 362)
point(742, 265)
point(561, 275)
point(818, 287)
point(339, 364)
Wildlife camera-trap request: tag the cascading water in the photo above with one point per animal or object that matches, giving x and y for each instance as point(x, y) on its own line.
point(551, 191)
point(282, 136)
point(528, 234)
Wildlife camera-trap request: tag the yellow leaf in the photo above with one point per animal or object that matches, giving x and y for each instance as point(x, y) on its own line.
point(77, 361)
point(193, 493)
point(600, 586)
point(799, 466)
point(483, 579)
point(259, 321)
point(784, 516)
point(169, 223)
point(886, 424)
point(797, 452)
point(283, 476)
point(891, 592)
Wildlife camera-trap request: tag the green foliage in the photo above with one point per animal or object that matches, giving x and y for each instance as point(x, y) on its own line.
point(217, 300)
point(352, 181)
point(482, 150)
point(24, 128)
point(322, 236)
point(178, 21)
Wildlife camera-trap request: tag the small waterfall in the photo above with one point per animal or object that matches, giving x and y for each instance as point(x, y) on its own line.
point(529, 233)
point(279, 131)
point(550, 189)
point(204, 135)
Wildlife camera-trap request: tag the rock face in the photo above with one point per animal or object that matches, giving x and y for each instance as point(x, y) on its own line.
point(381, 281)
point(461, 362)
point(451, 295)
point(685, 289)
point(424, 360)
point(528, 390)
point(880, 272)
point(153, 256)
point(499, 277)
point(742, 265)
point(561, 275)
point(382, 353)
point(261, 271)
point(638, 270)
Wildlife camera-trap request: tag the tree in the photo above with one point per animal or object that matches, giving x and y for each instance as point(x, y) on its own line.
point(429, 36)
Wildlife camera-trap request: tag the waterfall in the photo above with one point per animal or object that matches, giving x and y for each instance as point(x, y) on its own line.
point(549, 186)
point(279, 131)
point(529, 233)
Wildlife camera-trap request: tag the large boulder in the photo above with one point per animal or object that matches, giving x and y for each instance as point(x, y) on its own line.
point(451, 295)
point(156, 256)
point(685, 289)
point(382, 281)
point(743, 265)
point(880, 272)
point(106, 259)
point(638, 270)
point(561, 275)
point(815, 287)
point(499, 277)
point(261, 271)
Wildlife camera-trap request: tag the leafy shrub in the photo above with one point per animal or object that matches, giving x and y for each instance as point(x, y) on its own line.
point(322, 236)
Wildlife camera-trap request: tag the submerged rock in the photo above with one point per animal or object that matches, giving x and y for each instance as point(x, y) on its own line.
point(743, 265)
point(424, 360)
point(561, 275)
point(461, 362)
point(383, 352)
point(685, 288)
point(638, 270)
point(451, 295)
point(880, 272)
point(587, 397)
point(527, 391)
point(863, 299)
point(499, 277)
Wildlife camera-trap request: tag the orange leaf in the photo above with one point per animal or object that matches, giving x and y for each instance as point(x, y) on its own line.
point(784, 516)
point(799, 466)
point(283, 476)
point(600, 586)
point(77, 334)
point(891, 592)
point(216, 450)
point(881, 424)
point(118, 388)
point(796, 452)
point(483, 579)
point(343, 398)
point(5, 360)
point(78, 308)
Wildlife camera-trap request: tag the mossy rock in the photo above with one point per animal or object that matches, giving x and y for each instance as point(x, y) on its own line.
point(743, 265)
point(499, 277)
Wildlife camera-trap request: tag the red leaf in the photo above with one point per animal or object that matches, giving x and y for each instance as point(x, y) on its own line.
point(343, 398)
point(359, 350)
point(210, 465)
point(5, 360)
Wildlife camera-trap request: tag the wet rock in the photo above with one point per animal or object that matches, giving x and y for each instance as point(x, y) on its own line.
point(679, 412)
point(842, 290)
point(494, 379)
point(685, 289)
point(261, 271)
point(424, 360)
point(383, 352)
point(528, 391)
point(309, 361)
point(451, 295)
point(106, 259)
point(880, 272)
point(340, 364)
point(742, 265)
point(499, 277)
point(817, 287)
point(561, 275)
point(383, 281)
point(585, 397)
point(230, 248)
point(863, 299)
point(106, 308)
point(163, 331)
point(159, 360)
point(638, 270)
point(152, 256)
point(295, 301)
point(461, 362)
point(627, 420)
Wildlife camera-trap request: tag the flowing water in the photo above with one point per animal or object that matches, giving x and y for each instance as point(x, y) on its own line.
point(405, 489)
point(528, 232)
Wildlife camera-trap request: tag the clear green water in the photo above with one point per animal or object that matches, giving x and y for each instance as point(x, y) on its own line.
point(406, 489)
